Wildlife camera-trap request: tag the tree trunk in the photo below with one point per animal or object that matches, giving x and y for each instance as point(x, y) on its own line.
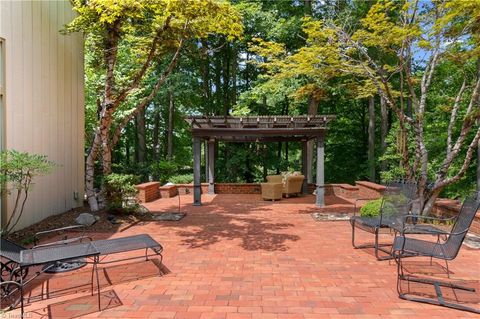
point(312, 110)
point(156, 133)
point(170, 125)
point(90, 173)
point(478, 165)
point(384, 130)
point(218, 84)
point(247, 73)
point(234, 59)
point(141, 141)
point(205, 65)
point(307, 7)
point(226, 79)
point(127, 146)
point(371, 138)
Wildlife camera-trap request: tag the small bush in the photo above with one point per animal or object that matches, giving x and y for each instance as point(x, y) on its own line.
point(120, 192)
point(181, 179)
point(371, 208)
point(164, 170)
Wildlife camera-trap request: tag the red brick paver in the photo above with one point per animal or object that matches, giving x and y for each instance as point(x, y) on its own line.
point(239, 257)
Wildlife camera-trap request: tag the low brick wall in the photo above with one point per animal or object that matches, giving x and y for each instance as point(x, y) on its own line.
point(237, 188)
point(168, 191)
point(148, 192)
point(184, 189)
point(369, 190)
point(449, 208)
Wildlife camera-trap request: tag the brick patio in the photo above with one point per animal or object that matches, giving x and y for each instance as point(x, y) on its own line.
point(239, 257)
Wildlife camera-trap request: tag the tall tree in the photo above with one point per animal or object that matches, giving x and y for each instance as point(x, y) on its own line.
point(376, 51)
point(154, 33)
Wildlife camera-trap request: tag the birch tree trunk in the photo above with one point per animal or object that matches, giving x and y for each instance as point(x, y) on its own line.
point(90, 173)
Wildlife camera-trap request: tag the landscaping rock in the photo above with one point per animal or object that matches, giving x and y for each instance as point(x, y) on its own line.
point(142, 210)
point(85, 219)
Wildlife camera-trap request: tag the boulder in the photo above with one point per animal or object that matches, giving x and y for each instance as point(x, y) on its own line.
point(85, 219)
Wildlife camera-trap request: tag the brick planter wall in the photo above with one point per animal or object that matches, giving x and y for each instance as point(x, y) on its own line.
point(448, 208)
point(168, 191)
point(147, 192)
point(184, 189)
point(235, 188)
point(369, 190)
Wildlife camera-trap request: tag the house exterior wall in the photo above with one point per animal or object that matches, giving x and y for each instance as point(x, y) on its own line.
point(44, 101)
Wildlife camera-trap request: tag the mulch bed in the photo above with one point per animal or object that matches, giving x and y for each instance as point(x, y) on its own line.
point(103, 225)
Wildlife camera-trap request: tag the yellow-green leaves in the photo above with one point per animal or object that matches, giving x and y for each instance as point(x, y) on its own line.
point(192, 18)
point(382, 28)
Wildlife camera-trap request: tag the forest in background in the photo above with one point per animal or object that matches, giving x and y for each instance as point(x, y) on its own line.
point(220, 74)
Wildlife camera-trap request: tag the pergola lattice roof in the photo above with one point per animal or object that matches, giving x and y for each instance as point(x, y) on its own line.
point(259, 128)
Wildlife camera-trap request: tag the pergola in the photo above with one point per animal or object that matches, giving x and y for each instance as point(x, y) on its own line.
point(260, 129)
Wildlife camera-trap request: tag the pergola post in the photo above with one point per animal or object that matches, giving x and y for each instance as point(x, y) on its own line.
point(205, 154)
point(305, 167)
point(320, 172)
point(211, 166)
point(197, 158)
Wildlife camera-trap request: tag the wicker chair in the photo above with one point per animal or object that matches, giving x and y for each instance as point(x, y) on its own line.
point(447, 249)
point(275, 179)
point(293, 185)
point(272, 191)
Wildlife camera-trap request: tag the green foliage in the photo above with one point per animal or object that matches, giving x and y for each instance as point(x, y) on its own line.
point(17, 171)
point(120, 192)
point(281, 61)
point(19, 168)
point(371, 208)
point(164, 170)
point(181, 179)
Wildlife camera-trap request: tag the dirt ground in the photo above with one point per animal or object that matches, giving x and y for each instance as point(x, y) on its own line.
point(103, 225)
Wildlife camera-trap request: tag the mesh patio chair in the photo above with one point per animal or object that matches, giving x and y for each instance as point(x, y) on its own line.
point(397, 201)
point(444, 249)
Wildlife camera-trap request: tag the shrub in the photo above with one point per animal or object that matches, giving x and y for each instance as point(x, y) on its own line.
point(371, 208)
point(120, 192)
point(17, 171)
point(181, 179)
point(163, 170)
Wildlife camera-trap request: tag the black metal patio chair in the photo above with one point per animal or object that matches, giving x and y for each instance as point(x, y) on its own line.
point(19, 260)
point(397, 202)
point(446, 248)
